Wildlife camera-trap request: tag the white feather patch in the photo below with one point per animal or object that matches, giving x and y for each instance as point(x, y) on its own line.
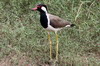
point(67, 26)
point(44, 9)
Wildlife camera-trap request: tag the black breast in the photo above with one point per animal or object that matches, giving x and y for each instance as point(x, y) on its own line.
point(43, 20)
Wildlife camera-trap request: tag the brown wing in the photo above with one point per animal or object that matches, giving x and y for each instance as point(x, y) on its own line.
point(57, 22)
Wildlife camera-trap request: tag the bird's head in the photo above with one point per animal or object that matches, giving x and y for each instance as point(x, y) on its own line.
point(40, 8)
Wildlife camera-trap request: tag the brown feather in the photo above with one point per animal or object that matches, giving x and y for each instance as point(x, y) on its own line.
point(57, 22)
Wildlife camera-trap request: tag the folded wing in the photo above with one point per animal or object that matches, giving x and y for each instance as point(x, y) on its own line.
point(57, 22)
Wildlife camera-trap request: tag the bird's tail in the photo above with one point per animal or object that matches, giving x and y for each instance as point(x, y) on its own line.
point(71, 25)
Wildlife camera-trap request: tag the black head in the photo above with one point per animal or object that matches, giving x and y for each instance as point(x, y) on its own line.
point(40, 7)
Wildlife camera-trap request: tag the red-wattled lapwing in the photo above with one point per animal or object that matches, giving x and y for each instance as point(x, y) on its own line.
point(51, 23)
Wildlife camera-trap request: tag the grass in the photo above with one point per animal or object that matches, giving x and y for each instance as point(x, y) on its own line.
point(23, 42)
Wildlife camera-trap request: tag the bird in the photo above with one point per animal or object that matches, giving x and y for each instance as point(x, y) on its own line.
point(50, 23)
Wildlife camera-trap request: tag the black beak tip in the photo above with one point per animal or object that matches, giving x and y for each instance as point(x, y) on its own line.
point(31, 9)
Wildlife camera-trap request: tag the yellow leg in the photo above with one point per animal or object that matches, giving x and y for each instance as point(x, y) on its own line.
point(56, 46)
point(50, 46)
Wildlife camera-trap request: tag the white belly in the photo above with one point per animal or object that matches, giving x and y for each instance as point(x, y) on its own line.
point(50, 28)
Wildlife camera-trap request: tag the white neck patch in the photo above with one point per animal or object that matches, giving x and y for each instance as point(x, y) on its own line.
point(44, 9)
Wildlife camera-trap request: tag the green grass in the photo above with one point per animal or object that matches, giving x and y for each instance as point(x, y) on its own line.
point(22, 39)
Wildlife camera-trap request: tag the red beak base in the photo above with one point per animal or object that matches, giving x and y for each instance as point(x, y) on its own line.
point(34, 8)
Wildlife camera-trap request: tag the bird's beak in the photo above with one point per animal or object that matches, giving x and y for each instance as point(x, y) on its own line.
point(34, 9)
